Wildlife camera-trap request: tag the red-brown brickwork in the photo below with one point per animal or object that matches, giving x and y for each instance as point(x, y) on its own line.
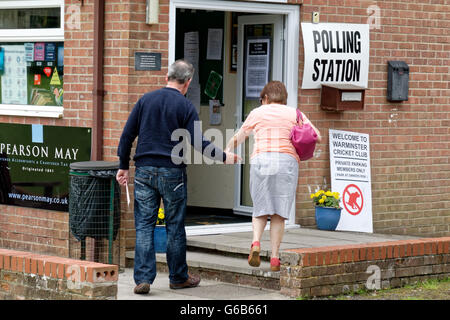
point(341, 269)
point(34, 230)
point(371, 251)
point(409, 141)
point(26, 275)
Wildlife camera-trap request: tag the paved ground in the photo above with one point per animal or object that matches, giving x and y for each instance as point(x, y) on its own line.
point(207, 290)
point(292, 239)
point(240, 242)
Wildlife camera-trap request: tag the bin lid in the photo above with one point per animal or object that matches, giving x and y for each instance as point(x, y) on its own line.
point(399, 65)
point(95, 165)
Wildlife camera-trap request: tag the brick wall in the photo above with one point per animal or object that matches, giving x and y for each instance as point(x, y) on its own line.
point(338, 270)
point(45, 231)
point(125, 34)
point(34, 230)
point(30, 276)
point(409, 141)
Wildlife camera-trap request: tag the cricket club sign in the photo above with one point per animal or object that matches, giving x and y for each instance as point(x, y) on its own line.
point(350, 176)
point(34, 163)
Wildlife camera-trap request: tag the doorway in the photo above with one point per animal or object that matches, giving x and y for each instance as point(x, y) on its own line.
point(260, 60)
point(218, 195)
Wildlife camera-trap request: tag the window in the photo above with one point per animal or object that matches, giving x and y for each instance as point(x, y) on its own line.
point(32, 18)
point(32, 58)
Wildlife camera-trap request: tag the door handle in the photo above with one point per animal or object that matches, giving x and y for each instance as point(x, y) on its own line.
point(236, 116)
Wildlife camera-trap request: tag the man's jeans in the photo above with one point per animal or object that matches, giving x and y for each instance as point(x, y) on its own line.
point(150, 185)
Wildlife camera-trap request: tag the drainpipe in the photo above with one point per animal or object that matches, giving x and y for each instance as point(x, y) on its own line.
point(98, 92)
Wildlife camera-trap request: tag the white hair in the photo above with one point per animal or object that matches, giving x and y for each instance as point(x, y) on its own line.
point(180, 71)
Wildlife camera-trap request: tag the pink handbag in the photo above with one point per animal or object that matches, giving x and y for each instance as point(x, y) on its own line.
point(303, 138)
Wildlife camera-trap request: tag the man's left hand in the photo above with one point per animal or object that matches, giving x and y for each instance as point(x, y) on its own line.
point(122, 177)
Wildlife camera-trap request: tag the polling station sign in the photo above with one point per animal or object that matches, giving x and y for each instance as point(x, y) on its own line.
point(34, 163)
point(350, 176)
point(335, 53)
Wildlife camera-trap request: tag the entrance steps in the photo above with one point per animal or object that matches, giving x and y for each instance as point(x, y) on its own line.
point(223, 262)
point(223, 257)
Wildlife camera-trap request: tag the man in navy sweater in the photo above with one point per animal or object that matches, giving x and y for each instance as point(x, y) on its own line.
point(161, 174)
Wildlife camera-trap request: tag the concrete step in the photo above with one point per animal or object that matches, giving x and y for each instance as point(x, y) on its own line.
point(222, 262)
point(236, 248)
point(229, 269)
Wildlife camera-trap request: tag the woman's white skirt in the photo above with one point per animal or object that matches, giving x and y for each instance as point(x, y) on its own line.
point(273, 183)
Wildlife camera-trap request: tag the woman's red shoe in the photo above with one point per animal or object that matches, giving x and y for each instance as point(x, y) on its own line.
point(253, 259)
point(275, 264)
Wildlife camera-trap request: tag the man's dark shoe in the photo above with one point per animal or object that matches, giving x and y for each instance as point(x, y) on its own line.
point(191, 282)
point(142, 288)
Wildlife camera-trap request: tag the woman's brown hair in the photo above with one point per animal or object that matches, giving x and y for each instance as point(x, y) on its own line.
point(275, 91)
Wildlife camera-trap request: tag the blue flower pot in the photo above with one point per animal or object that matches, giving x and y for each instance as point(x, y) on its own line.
point(160, 239)
point(327, 218)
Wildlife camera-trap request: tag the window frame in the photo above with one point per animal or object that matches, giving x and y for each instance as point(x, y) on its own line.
point(32, 35)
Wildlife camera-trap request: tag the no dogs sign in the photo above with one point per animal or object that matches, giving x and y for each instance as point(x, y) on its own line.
point(350, 176)
point(353, 199)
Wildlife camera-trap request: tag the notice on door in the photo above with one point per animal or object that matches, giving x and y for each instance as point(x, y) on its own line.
point(335, 53)
point(192, 54)
point(350, 176)
point(257, 66)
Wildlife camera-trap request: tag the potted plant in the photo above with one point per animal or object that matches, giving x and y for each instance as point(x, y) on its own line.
point(328, 210)
point(160, 233)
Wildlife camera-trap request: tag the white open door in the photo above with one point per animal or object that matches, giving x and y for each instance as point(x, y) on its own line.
point(260, 60)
